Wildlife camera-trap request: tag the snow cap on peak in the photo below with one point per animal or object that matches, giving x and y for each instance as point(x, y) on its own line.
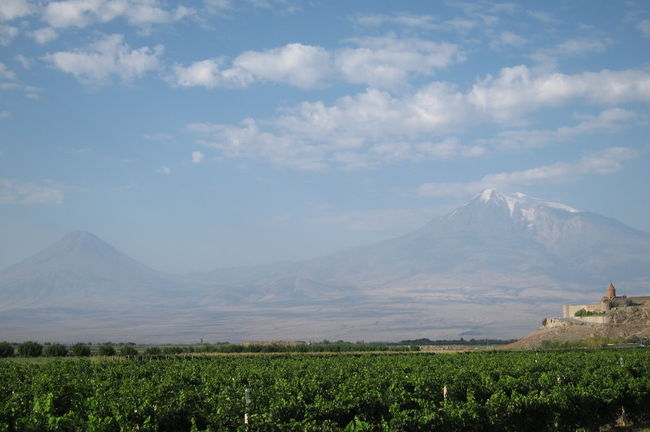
point(488, 194)
point(519, 203)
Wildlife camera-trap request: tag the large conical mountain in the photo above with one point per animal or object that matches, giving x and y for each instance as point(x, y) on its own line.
point(493, 232)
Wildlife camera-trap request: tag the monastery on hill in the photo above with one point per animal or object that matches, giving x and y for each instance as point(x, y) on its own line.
point(594, 313)
point(595, 309)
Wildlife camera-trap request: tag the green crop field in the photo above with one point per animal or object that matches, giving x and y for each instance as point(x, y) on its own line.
point(504, 391)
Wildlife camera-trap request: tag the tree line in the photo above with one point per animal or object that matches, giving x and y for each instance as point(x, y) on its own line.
point(35, 349)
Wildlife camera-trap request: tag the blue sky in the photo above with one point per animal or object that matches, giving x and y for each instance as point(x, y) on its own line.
point(197, 135)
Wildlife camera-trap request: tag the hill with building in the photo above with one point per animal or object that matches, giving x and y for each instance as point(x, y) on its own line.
point(614, 318)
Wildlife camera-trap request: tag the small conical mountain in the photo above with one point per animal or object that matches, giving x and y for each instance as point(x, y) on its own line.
point(80, 269)
point(83, 253)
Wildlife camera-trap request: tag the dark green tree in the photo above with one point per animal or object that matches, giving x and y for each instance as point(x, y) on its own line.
point(80, 350)
point(6, 349)
point(106, 350)
point(55, 350)
point(30, 349)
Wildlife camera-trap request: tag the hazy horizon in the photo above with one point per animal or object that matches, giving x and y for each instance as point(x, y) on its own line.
point(202, 135)
point(251, 264)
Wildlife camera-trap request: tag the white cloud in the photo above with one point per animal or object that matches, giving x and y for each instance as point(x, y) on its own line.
point(205, 73)
point(44, 35)
point(461, 25)
point(382, 62)
point(107, 57)
point(5, 114)
point(543, 17)
point(287, 6)
point(507, 39)
point(644, 28)
point(197, 157)
point(367, 130)
point(25, 62)
point(70, 13)
point(375, 127)
point(164, 170)
point(604, 162)
point(82, 13)
point(7, 34)
point(401, 19)
point(11, 9)
point(217, 6)
point(580, 46)
point(12, 192)
point(9, 81)
point(610, 120)
point(387, 62)
point(6, 73)
point(477, 17)
point(303, 66)
point(159, 137)
point(517, 90)
point(549, 57)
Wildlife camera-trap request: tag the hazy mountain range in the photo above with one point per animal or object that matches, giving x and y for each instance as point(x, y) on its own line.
point(493, 267)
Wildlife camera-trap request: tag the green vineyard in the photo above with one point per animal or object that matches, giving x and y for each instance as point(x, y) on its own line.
point(504, 391)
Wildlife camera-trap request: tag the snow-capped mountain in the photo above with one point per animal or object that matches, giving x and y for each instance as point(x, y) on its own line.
point(508, 231)
point(491, 211)
point(499, 233)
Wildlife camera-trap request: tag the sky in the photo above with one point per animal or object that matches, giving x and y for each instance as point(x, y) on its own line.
point(196, 135)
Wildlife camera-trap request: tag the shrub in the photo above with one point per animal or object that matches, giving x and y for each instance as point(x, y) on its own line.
point(585, 313)
point(80, 350)
point(30, 349)
point(6, 349)
point(55, 350)
point(128, 350)
point(106, 350)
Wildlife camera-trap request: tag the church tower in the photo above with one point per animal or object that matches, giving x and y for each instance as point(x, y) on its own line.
point(611, 291)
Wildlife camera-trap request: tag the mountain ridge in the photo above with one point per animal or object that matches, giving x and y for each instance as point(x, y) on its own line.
point(455, 276)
